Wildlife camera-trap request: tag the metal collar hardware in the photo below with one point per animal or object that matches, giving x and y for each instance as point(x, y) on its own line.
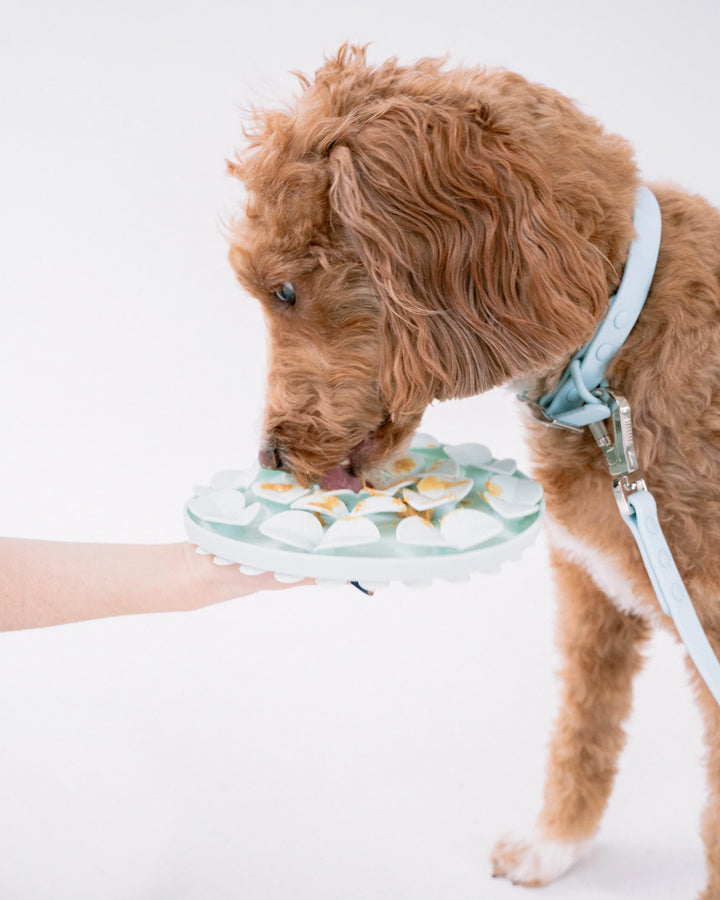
point(541, 416)
point(618, 448)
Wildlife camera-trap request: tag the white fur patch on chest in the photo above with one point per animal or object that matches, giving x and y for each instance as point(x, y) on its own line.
point(603, 570)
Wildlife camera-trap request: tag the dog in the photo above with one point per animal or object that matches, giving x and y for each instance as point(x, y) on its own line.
point(417, 233)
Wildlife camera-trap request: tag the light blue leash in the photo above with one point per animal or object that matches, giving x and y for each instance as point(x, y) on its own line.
point(583, 398)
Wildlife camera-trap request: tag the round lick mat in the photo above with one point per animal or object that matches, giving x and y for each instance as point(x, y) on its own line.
point(442, 511)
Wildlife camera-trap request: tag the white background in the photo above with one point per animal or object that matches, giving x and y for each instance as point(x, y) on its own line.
point(315, 744)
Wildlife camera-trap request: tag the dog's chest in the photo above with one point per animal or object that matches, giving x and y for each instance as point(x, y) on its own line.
point(605, 572)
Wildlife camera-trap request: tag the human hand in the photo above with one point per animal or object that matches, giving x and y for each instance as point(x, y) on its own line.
point(209, 583)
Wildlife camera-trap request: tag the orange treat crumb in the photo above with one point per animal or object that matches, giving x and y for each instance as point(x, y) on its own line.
point(493, 489)
point(278, 487)
point(404, 465)
point(433, 483)
point(328, 504)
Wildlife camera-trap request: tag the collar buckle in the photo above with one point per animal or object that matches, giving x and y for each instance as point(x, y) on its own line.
point(541, 415)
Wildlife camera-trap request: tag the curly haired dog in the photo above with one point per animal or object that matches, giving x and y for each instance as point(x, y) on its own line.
point(415, 234)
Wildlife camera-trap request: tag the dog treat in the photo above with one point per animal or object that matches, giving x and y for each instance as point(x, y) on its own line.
point(438, 511)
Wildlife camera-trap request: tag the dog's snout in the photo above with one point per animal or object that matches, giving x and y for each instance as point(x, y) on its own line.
point(269, 457)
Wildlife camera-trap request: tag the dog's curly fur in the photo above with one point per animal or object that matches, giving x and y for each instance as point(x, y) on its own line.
point(447, 231)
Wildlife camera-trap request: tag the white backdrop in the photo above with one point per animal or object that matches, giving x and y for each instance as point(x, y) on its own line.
point(313, 744)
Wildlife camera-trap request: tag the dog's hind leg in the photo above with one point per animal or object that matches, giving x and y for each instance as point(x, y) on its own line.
point(601, 652)
point(711, 815)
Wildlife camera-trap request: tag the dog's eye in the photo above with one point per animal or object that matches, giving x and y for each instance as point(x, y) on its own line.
point(286, 293)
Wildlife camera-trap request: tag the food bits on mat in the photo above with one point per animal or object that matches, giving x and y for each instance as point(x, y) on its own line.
point(437, 499)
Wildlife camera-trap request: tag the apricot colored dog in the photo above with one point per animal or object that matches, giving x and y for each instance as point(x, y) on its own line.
point(415, 234)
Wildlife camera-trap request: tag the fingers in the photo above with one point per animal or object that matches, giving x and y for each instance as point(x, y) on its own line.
point(235, 583)
point(274, 585)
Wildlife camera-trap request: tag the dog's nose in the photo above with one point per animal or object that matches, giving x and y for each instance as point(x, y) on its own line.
point(269, 458)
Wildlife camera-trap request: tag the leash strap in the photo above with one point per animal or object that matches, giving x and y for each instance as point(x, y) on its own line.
point(639, 511)
point(583, 398)
point(669, 588)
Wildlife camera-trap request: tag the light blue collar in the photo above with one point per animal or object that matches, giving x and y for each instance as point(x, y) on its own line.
point(572, 404)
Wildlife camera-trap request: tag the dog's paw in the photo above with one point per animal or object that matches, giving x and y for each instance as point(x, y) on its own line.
point(533, 861)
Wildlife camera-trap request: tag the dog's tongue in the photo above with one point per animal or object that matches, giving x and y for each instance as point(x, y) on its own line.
point(339, 478)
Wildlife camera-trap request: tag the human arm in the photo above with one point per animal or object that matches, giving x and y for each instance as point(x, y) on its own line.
point(55, 582)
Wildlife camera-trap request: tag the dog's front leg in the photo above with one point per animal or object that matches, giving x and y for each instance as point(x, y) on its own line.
point(600, 648)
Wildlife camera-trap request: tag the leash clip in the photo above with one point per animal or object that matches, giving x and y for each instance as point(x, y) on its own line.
point(623, 487)
point(619, 448)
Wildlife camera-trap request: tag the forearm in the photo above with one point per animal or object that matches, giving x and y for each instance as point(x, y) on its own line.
point(52, 582)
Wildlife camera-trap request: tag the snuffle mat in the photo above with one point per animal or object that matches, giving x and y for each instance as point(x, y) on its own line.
point(442, 511)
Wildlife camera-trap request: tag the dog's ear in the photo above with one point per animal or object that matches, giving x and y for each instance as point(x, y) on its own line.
point(482, 275)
